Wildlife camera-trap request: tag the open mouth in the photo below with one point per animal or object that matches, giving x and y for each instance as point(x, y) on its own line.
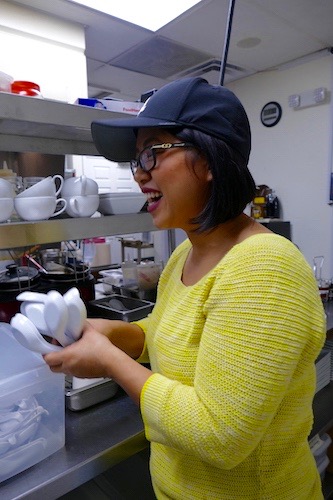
point(153, 197)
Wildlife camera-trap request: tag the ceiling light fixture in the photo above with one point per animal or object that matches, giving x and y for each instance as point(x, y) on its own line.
point(144, 13)
point(249, 43)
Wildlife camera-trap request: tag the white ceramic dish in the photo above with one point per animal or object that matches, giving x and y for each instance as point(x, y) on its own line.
point(121, 203)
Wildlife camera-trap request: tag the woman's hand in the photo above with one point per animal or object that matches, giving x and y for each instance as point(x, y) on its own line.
point(89, 357)
point(94, 356)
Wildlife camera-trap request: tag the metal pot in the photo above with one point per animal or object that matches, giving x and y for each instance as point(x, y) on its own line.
point(68, 276)
point(14, 280)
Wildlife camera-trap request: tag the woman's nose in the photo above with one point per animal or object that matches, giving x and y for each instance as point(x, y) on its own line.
point(141, 176)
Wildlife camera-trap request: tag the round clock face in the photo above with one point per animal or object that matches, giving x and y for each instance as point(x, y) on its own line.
point(271, 114)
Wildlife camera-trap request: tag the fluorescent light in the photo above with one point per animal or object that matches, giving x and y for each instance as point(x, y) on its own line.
point(144, 13)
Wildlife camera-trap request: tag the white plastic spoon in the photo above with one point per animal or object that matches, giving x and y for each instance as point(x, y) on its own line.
point(35, 312)
point(77, 314)
point(56, 317)
point(32, 296)
point(27, 335)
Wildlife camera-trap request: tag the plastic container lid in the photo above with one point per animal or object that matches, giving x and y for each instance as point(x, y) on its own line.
point(25, 88)
point(5, 82)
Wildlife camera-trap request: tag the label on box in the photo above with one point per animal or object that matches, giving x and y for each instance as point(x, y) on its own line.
point(130, 108)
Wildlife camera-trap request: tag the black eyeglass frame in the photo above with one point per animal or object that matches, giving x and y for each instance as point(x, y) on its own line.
point(138, 162)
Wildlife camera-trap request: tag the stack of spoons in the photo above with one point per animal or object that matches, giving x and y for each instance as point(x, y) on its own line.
point(49, 314)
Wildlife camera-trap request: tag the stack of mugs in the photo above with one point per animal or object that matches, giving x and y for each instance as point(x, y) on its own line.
point(39, 198)
point(81, 195)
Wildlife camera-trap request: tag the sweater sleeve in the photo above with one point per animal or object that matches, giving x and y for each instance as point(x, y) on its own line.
point(144, 356)
point(264, 328)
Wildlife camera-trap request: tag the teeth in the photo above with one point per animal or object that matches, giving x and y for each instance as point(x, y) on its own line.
point(152, 196)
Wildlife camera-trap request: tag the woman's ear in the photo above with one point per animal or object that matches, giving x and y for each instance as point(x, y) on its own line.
point(209, 175)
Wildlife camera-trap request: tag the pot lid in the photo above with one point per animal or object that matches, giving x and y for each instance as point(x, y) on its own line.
point(18, 277)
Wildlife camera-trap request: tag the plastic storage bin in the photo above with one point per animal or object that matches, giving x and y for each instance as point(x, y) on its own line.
point(32, 407)
point(319, 446)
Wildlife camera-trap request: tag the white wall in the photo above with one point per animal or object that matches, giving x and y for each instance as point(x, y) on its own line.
point(294, 157)
point(45, 50)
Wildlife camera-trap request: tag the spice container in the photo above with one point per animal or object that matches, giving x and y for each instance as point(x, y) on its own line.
point(258, 209)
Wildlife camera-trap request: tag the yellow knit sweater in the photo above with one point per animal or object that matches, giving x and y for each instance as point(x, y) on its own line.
point(228, 409)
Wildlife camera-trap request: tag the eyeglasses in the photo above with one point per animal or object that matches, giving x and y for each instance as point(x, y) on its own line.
point(146, 159)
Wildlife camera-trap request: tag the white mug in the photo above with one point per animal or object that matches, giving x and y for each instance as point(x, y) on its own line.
point(6, 208)
point(82, 206)
point(7, 189)
point(35, 208)
point(45, 187)
point(79, 186)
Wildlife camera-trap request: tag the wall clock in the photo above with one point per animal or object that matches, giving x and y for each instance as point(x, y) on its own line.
point(271, 114)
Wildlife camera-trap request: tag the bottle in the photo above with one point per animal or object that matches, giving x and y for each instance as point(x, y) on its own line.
point(258, 209)
point(272, 206)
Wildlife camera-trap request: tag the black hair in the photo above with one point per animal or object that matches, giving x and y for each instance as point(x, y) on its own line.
point(232, 186)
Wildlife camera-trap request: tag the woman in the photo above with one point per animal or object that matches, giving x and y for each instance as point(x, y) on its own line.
point(238, 322)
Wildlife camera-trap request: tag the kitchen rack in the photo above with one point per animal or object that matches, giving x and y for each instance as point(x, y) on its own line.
point(47, 126)
point(53, 127)
point(27, 234)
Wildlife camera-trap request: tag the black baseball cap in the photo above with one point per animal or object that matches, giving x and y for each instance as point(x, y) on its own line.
point(186, 103)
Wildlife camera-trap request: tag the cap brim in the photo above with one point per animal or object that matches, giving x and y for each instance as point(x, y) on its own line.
point(116, 139)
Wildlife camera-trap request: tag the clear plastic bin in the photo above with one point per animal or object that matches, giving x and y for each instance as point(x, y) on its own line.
point(32, 407)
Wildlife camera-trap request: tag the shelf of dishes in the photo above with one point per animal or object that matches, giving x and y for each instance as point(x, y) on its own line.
point(27, 234)
point(48, 126)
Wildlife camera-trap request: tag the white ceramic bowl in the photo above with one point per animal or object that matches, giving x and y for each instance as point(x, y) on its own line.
point(121, 203)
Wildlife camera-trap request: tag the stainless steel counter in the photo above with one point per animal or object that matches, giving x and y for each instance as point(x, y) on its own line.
point(96, 439)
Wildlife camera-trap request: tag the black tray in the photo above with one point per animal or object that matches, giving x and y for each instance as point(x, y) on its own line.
point(134, 309)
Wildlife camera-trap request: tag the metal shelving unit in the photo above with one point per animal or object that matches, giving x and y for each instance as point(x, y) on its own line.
point(27, 234)
point(54, 127)
point(47, 126)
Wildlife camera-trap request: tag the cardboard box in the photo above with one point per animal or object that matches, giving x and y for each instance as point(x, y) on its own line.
point(32, 407)
point(127, 107)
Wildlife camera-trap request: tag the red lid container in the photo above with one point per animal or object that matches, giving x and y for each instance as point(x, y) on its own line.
point(25, 88)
